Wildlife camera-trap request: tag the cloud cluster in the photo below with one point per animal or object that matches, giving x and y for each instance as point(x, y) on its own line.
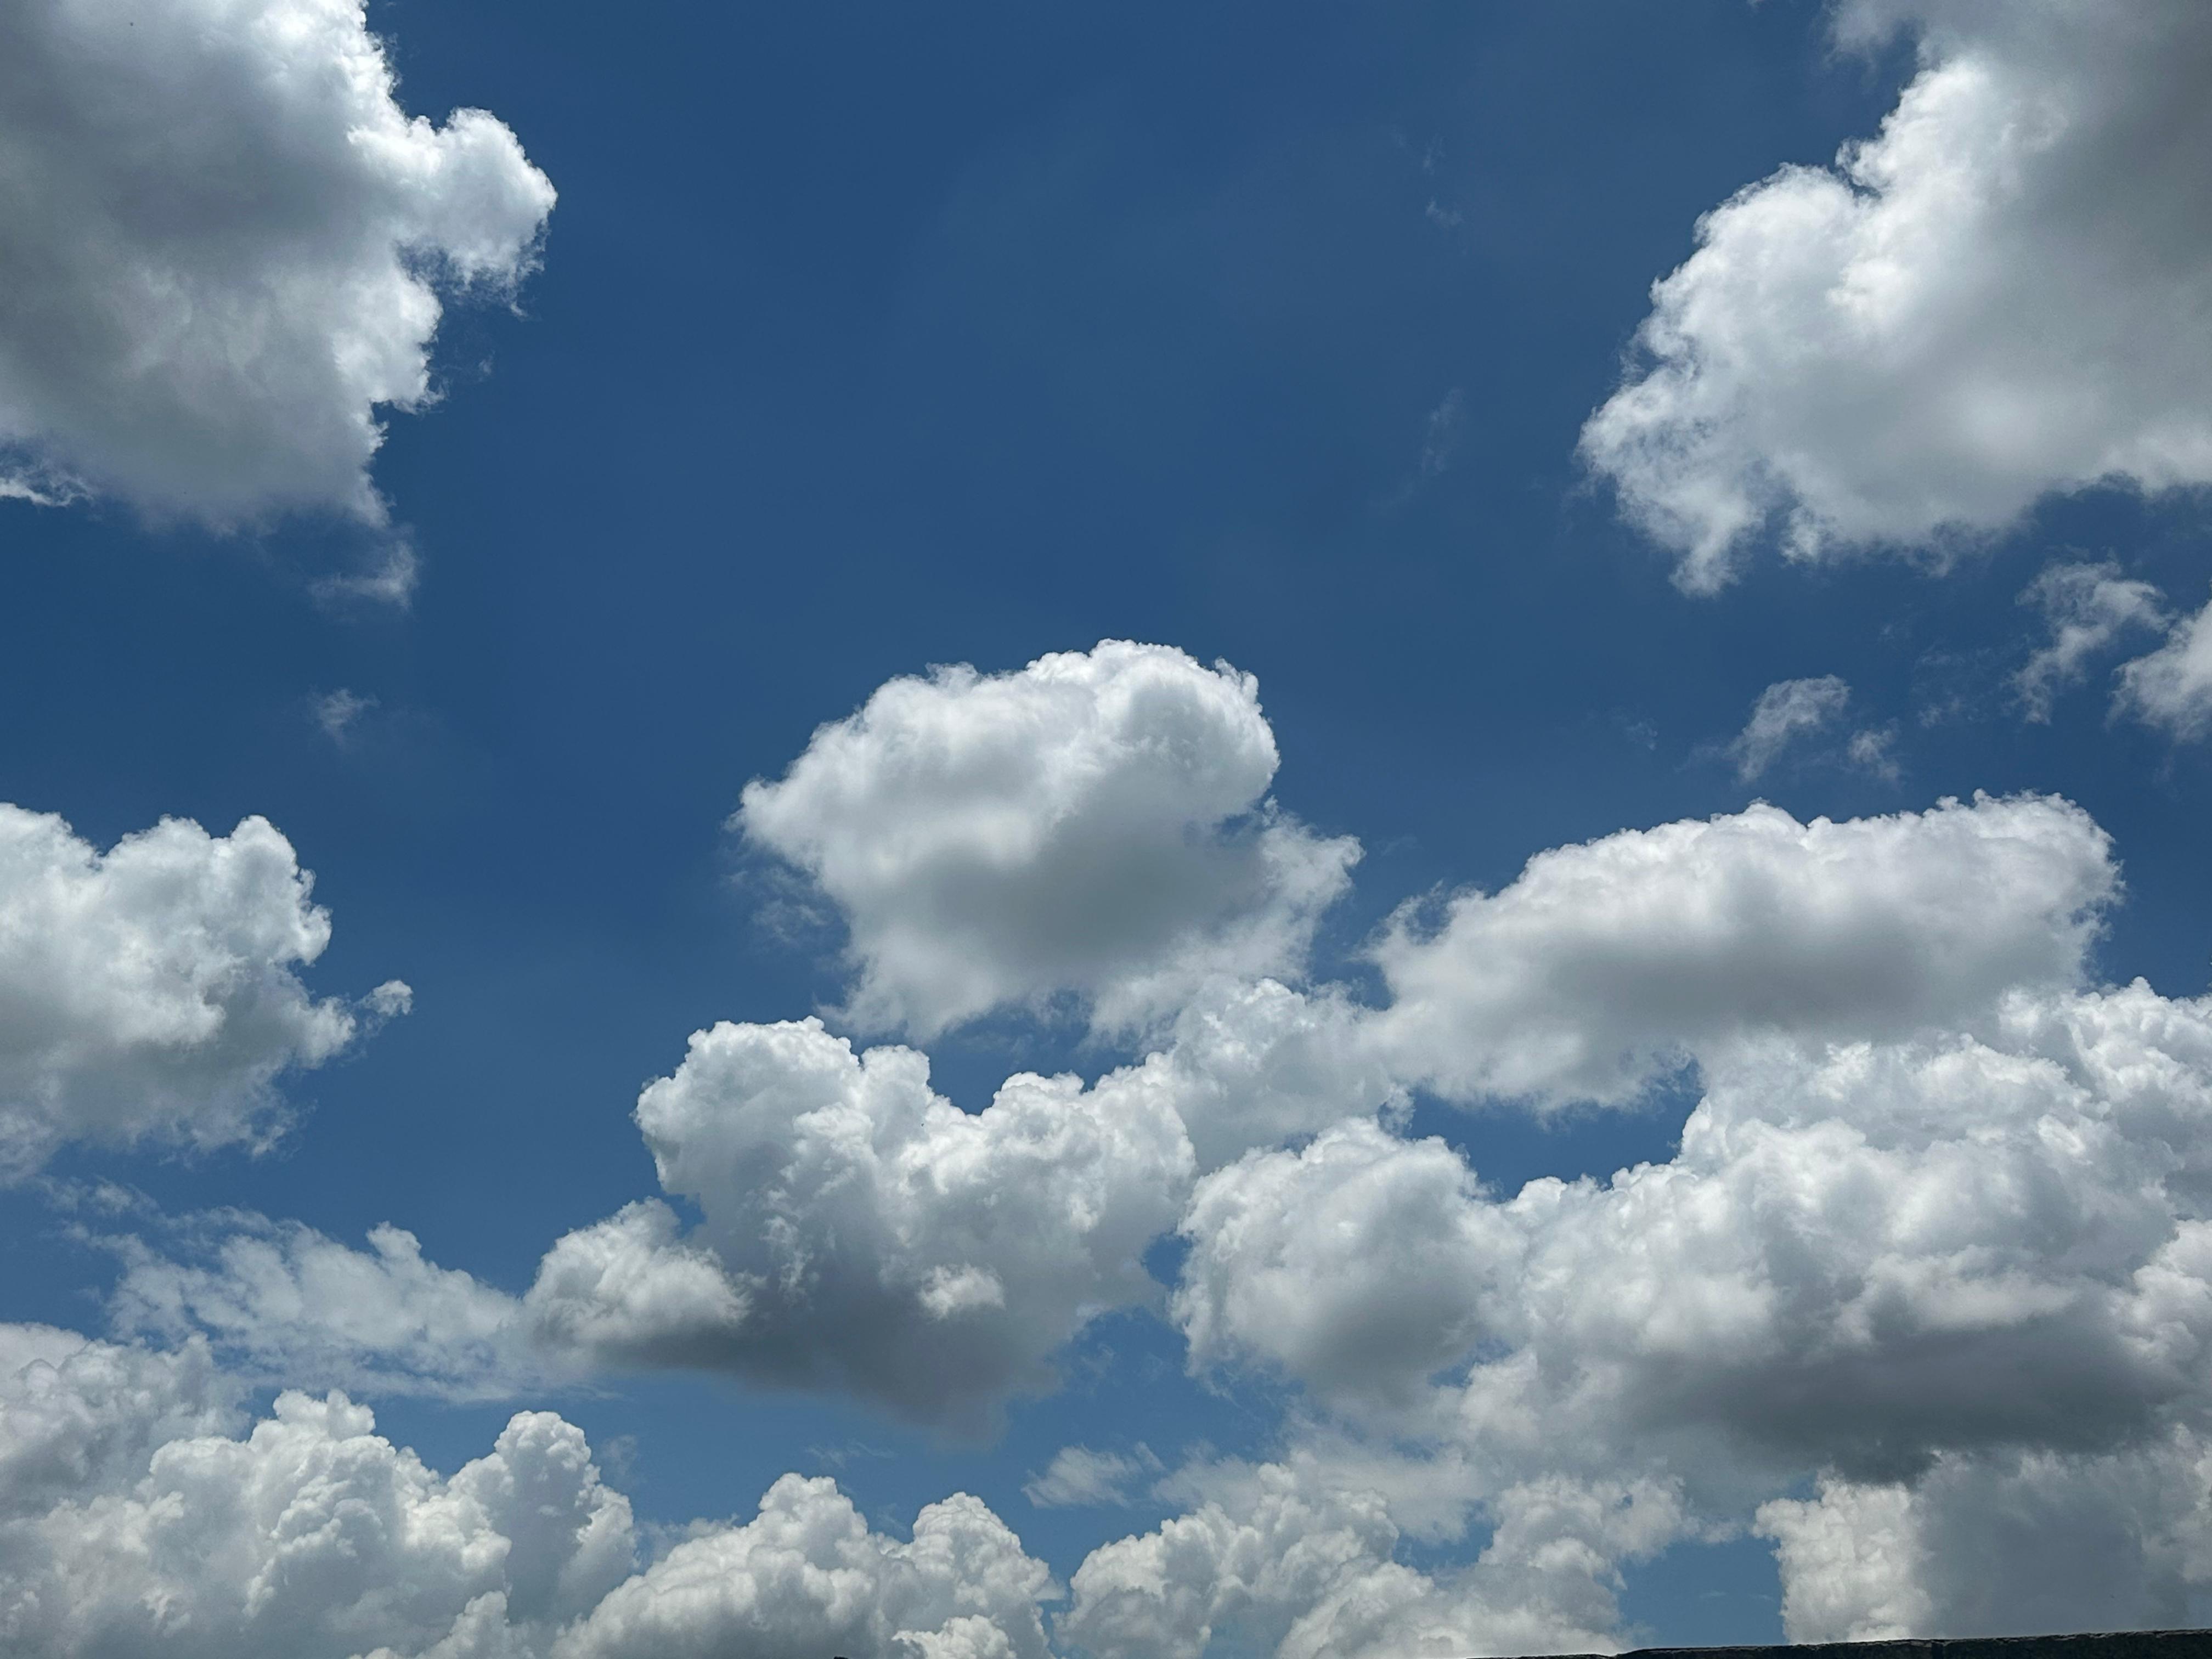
point(2007, 292)
point(1296, 1559)
point(807, 1576)
point(1941, 1221)
point(1096, 823)
point(859, 1231)
point(222, 249)
point(143, 1515)
point(151, 992)
point(1970, 1279)
point(309, 1538)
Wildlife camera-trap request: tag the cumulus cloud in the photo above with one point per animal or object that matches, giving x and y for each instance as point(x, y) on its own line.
point(151, 992)
point(141, 1514)
point(1096, 823)
point(1785, 711)
point(1965, 1282)
point(807, 1576)
point(1293, 1559)
point(1604, 964)
point(1357, 1263)
point(224, 248)
point(310, 1538)
point(2016, 1543)
point(2006, 292)
point(860, 1231)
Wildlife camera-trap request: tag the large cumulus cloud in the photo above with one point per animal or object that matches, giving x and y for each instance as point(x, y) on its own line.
point(1965, 1281)
point(2006, 292)
point(1604, 963)
point(1096, 823)
point(151, 992)
point(222, 248)
point(874, 1236)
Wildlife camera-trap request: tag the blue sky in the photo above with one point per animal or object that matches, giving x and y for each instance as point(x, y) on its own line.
point(564, 526)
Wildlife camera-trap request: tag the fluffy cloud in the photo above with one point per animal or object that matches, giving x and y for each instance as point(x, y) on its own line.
point(2007, 292)
point(150, 993)
point(1293, 1559)
point(1357, 1263)
point(806, 1576)
point(1604, 963)
point(861, 1231)
point(136, 1519)
point(310, 1536)
point(222, 249)
point(1862, 1257)
point(2014, 1545)
point(1967, 1283)
point(1785, 711)
point(1095, 823)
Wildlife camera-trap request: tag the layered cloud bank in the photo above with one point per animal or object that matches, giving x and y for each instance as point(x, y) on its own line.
point(1997, 296)
point(151, 993)
point(1926, 1281)
point(223, 246)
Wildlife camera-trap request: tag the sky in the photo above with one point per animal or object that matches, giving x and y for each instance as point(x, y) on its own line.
point(1138, 832)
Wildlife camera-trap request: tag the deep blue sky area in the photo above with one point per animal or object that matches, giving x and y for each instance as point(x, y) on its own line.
point(870, 336)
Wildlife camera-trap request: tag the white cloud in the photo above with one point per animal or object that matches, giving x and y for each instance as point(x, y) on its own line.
point(860, 1233)
point(1604, 964)
point(150, 993)
point(311, 1538)
point(78, 1416)
point(1785, 711)
point(223, 246)
point(1079, 1477)
point(868, 1234)
point(1293, 1559)
point(285, 1305)
point(2010, 1544)
point(141, 1515)
point(1357, 1264)
point(2086, 608)
point(1096, 823)
point(2172, 686)
point(1967, 1283)
point(2007, 292)
point(806, 1576)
